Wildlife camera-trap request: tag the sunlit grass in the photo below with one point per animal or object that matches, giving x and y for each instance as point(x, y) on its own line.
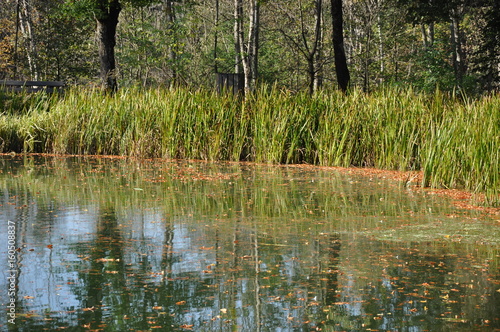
point(455, 143)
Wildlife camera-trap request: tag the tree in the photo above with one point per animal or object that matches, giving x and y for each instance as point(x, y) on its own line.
point(151, 44)
point(106, 14)
point(26, 18)
point(43, 40)
point(363, 18)
point(247, 51)
point(303, 30)
point(429, 13)
point(427, 43)
point(341, 69)
point(63, 43)
point(8, 18)
point(486, 58)
point(107, 19)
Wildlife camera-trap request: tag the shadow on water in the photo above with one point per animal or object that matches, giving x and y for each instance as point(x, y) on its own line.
point(127, 245)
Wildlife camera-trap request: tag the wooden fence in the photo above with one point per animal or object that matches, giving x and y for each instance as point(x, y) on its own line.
point(32, 86)
point(232, 83)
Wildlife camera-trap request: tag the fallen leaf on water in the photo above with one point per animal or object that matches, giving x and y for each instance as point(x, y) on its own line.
point(50, 246)
point(107, 260)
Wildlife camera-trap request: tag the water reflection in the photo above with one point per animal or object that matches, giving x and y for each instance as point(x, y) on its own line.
point(118, 245)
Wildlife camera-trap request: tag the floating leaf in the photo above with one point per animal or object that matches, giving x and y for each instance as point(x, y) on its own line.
point(107, 260)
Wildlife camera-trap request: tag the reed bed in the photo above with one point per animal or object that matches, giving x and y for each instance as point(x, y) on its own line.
point(454, 141)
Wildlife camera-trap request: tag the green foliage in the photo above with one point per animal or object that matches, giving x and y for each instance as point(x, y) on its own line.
point(418, 11)
point(92, 8)
point(152, 48)
point(163, 43)
point(435, 71)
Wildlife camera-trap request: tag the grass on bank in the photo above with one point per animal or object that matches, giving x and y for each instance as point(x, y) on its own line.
point(455, 142)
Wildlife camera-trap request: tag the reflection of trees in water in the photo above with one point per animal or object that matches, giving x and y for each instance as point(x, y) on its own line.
point(412, 287)
point(333, 249)
point(277, 272)
point(383, 286)
point(328, 274)
point(106, 272)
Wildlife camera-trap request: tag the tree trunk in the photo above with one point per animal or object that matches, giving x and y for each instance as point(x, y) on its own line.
point(341, 69)
point(238, 34)
point(456, 40)
point(315, 52)
point(247, 53)
point(254, 42)
point(26, 24)
point(170, 12)
point(381, 47)
point(216, 36)
point(427, 35)
point(106, 34)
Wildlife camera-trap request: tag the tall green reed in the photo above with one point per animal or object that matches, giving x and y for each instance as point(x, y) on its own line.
point(455, 143)
point(463, 150)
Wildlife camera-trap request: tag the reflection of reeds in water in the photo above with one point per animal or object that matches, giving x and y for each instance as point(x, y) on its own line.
point(280, 197)
point(455, 143)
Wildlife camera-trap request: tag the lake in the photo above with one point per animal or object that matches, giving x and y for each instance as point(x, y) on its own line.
point(111, 244)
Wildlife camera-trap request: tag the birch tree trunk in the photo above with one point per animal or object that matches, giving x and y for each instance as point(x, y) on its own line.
point(318, 81)
point(26, 24)
point(238, 34)
point(456, 41)
point(254, 42)
point(248, 50)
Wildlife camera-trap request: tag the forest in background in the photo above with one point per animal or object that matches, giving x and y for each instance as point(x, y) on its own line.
point(450, 45)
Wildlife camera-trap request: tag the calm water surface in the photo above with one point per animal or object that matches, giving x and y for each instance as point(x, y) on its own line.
point(127, 245)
